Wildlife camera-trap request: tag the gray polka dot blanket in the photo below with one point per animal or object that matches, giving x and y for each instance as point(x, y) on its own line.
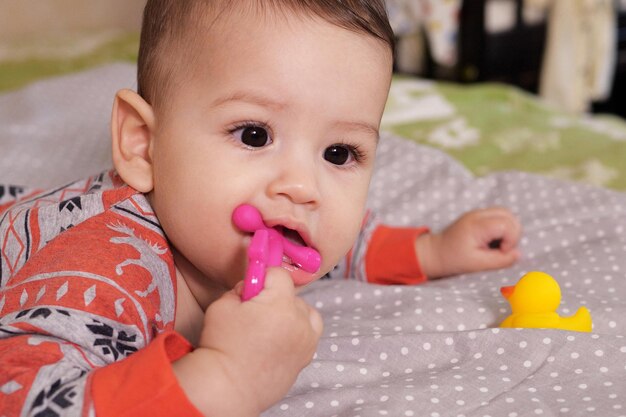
point(431, 350)
point(436, 349)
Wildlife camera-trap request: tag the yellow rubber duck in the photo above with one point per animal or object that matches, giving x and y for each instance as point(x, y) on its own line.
point(534, 300)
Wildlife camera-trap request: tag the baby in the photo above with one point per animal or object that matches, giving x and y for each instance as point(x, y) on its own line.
point(123, 294)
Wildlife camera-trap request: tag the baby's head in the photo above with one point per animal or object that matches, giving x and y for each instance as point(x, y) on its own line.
point(173, 31)
point(276, 104)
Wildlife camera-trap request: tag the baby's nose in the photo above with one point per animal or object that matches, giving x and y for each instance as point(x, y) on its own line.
point(296, 181)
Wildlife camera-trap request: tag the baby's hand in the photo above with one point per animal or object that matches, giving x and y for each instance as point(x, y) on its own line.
point(479, 240)
point(250, 353)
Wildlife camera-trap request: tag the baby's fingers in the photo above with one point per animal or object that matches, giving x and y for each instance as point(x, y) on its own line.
point(315, 318)
point(278, 280)
point(501, 258)
point(238, 288)
point(501, 231)
point(509, 242)
point(279, 285)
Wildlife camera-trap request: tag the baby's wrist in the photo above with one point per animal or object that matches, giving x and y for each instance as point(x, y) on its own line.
point(427, 251)
point(211, 387)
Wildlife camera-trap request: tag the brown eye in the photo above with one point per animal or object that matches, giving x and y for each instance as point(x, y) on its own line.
point(254, 136)
point(337, 155)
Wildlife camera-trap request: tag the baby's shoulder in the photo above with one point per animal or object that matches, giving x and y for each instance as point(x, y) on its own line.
point(66, 196)
point(87, 208)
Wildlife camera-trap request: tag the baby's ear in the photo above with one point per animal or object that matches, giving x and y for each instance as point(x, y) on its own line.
point(132, 126)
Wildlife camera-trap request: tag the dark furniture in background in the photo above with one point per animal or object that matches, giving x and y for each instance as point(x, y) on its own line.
point(515, 56)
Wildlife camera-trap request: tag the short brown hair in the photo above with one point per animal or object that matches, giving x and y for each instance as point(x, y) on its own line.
point(166, 24)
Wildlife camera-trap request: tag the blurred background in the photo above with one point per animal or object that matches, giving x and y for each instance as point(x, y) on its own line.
point(531, 85)
point(40, 38)
point(571, 52)
point(37, 19)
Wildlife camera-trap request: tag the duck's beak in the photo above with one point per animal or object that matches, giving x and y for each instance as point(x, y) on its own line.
point(507, 292)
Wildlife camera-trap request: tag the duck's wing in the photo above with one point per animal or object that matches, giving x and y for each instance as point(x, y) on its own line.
point(535, 320)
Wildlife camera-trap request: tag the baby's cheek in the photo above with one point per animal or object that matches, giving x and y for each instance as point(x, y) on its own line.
point(342, 242)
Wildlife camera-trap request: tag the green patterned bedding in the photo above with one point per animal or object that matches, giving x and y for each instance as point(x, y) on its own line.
point(488, 127)
point(493, 127)
point(26, 62)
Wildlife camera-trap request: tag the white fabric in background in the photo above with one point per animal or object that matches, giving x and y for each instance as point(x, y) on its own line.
point(438, 19)
point(579, 59)
point(501, 15)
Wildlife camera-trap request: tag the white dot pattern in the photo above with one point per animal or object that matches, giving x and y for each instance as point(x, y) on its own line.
point(435, 349)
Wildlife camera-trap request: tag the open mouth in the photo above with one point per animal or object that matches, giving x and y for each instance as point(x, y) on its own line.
point(291, 235)
point(290, 249)
point(297, 252)
point(294, 237)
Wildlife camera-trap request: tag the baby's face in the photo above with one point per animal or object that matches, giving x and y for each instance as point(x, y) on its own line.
point(282, 115)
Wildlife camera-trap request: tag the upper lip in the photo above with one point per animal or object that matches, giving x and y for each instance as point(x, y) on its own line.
point(292, 224)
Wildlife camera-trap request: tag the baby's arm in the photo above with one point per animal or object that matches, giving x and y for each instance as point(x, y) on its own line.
point(249, 356)
point(250, 353)
point(478, 240)
point(57, 360)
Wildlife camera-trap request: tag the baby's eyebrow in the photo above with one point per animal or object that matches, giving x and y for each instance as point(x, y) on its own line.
point(364, 127)
point(249, 97)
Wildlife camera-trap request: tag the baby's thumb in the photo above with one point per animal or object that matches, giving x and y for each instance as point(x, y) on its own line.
point(279, 280)
point(500, 258)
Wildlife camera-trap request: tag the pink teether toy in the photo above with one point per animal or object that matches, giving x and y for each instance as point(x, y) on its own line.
point(257, 262)
point(267, 248)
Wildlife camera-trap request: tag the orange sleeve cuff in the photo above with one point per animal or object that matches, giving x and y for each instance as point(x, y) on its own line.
point(144, 383)
point(391, 257)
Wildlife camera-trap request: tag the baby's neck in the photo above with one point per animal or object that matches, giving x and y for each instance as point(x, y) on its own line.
point(189, 315)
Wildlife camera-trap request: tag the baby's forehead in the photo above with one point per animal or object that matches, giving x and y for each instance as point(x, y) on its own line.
point(190, 33)
point(214, 25)
point(234, 14)
point(217, 26)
